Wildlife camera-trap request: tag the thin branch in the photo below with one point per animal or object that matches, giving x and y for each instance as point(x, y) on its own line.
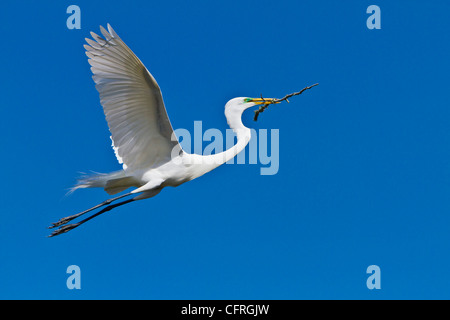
point(285, 98)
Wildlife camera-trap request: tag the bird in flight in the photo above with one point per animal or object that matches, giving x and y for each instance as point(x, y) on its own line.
point(142, 136)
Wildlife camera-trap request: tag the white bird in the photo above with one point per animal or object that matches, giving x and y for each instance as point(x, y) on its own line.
point(142, 136)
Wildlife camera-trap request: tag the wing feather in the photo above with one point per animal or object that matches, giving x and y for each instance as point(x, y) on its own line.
point(132, 102)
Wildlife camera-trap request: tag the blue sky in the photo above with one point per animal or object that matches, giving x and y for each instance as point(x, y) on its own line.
point(364, 157)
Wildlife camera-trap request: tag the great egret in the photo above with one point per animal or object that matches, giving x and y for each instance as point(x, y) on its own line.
point(142, 136)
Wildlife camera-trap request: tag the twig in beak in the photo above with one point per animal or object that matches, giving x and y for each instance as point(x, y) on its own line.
point(285, 98)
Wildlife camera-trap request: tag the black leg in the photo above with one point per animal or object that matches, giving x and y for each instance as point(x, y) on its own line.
point(68, 227)
point(70, 218)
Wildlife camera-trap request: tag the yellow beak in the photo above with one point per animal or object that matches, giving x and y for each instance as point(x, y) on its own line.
point(258, 101)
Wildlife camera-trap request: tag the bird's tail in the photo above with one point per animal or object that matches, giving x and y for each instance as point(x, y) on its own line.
point(113, 182)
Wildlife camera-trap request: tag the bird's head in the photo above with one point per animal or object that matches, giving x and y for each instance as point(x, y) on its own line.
point(235, 107)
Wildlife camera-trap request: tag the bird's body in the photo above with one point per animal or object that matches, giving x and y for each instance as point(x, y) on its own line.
point(143, 138)
point(181, 167)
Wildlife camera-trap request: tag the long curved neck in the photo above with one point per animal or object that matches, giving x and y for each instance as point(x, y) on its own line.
point(206, 163)
point(243, 135)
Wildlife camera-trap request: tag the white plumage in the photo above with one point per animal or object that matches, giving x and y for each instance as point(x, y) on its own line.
point(132, 102)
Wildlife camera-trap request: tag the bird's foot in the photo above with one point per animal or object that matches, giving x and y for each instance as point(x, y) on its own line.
point(62, 221)
point(63, 229)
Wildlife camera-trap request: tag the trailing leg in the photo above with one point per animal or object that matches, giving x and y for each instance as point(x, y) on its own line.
point(70, 218)
point(68, 227)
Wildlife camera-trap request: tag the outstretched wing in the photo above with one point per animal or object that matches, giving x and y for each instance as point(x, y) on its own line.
point(132, 102)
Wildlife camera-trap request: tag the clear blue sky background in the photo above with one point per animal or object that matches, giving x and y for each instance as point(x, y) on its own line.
point(364, 172)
